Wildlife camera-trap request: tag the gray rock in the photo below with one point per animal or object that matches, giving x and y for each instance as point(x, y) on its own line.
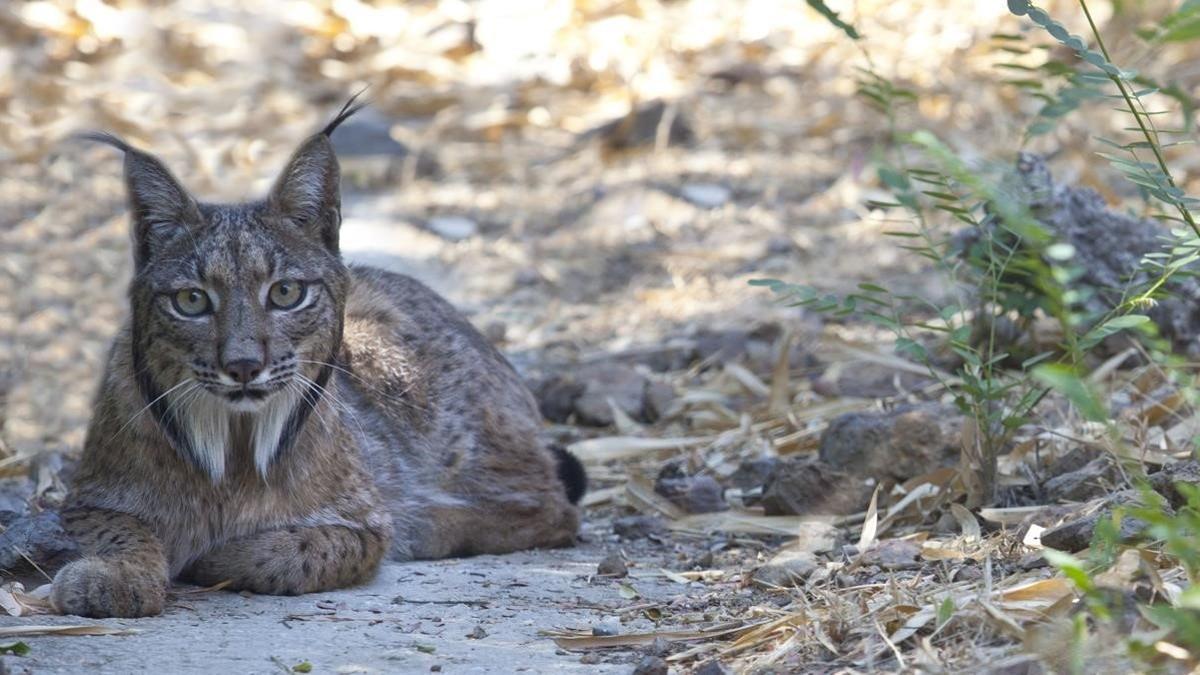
point(623, 385)
point(712, 667)
point(753, 473)
point(609, 627)
point(41, 537)
point(612, 566)
point(651, 665)
point(556, 396)
point(660, 647)
point(15, 494)
point(367, 133)
point(1076, 534)
point(704, 495)
point(787, 569)
point(1093, 479)
point(1108, 246)
point(658, 399)
point(453, 228)
point(906, 442)
point(893, 554)
point(694, 494)
point(641, 127)
point(706, 195)
point(801, 486)
point(1166, 480)
point(638, 527)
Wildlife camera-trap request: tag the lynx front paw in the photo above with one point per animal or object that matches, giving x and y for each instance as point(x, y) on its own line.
point(98, 588)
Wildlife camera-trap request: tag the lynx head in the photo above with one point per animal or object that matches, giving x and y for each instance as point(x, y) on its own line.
point(236, 308)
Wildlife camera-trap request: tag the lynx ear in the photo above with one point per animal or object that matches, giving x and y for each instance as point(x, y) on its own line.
point(307, 192)
point(160, 207)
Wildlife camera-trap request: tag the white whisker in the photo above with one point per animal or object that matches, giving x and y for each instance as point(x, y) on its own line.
point(125, 426)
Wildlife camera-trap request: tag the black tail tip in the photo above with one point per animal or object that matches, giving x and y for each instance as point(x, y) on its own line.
point(571, 473)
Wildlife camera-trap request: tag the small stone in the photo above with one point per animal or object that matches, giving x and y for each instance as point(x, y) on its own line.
point(477, 633)
point(642, 126)
point(1165, 480)
point(612, 566)
point(606, 629)
point(721, 346)
point(590, 659)
point(496, 332)
point(893, 554)
point(526, 276)
point(710, 668)
point(1094, 479)
point(704, 495)
point(638, 527)
point(753, 473)
point(659, 397)
point(556, 396)
point(901, 444)
point(1076, 535)
point(435, 668)
point(706, 195)
point(453, 228)
point(800, 486)
point(778, 245)
point(660, 647)
point(651, 665)
point(624, 386)
point(39, 537)
point(367, 133)
point(788, 568)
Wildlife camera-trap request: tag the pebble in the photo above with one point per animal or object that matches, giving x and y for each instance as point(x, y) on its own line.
point(454, 228)
point(612, 566)
point(706, 195)
point(651, 665)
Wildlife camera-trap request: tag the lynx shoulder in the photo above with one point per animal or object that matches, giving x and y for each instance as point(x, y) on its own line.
point(273, 417)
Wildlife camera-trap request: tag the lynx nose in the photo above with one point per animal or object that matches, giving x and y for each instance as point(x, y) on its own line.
point(243, 371)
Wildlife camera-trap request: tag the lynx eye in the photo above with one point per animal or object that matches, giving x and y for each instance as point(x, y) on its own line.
point(191, 302)
point(287, 294)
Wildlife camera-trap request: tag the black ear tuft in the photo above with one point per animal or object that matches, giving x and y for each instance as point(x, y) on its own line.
point(105, 138)
point(345, 113)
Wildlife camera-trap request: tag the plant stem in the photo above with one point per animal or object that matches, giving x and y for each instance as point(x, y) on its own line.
point(1151, 140)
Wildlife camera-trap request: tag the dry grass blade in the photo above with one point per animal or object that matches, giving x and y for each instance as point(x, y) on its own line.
point(639, 639)
point(641, 496)
point(597, 450)
point(818, 530)
point(781, 377)
point(219, 586)
point(966, 522)
point(870, 523)
point(15, 600)
point(23, 631)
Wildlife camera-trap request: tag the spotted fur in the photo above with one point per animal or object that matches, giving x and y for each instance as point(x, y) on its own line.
point(378, 420)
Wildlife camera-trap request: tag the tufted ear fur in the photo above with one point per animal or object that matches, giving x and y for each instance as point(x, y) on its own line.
point(160, 207)
point(308, 193)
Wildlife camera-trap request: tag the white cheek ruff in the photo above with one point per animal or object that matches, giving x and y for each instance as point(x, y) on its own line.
point(269, 425)
point(206, 421)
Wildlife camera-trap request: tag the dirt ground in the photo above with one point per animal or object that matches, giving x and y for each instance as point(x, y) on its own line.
point(594, 183)
point(413, 618)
